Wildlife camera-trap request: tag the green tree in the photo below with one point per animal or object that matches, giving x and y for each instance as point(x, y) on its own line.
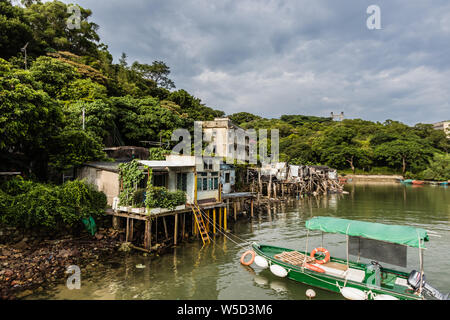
point(439, 168)
point(158, 72)
point(73, 148)
point(29, 120)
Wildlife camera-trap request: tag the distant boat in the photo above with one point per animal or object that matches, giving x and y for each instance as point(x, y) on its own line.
point(445, 183)
point(408, 181)
point(418, 182)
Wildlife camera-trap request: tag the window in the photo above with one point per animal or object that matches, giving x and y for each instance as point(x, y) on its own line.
point(207, 181)
point(227, 177)
point(207, 164)
point(182, 181)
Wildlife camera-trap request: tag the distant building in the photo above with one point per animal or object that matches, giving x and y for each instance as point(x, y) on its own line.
point(443, 125)
point(222, 128)
point(337, 117)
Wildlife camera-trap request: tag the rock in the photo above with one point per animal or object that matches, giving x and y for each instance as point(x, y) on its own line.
point(98, 236)
point(8, 273)
point(125, 247)
point(24, 294)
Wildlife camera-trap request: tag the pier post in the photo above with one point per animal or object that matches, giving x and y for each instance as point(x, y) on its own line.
point(214, 220)
point(127, 230)
point(165, 228)
point(220, 217)
point(115, 222)
point(175, 232)
point(251, 207)
point(225, 219)
point(148, 234)
point(235, 210)
point(208, 221)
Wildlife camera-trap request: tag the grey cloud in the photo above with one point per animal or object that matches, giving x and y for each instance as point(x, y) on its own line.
point(273, 57)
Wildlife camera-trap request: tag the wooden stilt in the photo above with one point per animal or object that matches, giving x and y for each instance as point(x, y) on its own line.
point(214, 220)
point(235, 210)
point(220, 218)
point(207, 222)
point(183, 228)
point(225, 219)
point(251, 207)
point(115, 222)
point(175, 232)
point(165, 228)
point(148, 234)
point(131, 230)
point(127, 230)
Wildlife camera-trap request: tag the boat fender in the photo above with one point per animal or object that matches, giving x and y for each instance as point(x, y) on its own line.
point(384, 297)
point(353, 294)
point(279, 271)
point(247, 263)
point(320, 249)
point(261, 262)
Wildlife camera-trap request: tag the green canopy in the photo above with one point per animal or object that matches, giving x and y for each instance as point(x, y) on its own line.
point(405, 235)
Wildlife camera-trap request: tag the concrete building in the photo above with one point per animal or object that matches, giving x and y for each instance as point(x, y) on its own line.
point(221, 129)
point(443, 125)
point(177, 172)
point(227, 177)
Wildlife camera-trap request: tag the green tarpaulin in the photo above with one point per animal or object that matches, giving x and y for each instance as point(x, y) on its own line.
point(405, 235)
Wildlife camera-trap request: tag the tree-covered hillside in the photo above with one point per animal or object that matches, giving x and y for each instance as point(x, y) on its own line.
point(69, 70)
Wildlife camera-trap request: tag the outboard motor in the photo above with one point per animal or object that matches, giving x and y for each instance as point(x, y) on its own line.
point(414, 281)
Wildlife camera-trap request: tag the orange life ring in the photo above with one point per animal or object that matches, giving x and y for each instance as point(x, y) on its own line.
point(320, 249)
point(314, 268)
point(251, 260)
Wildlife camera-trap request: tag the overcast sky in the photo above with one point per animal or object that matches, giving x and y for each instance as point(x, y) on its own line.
point(280, 57)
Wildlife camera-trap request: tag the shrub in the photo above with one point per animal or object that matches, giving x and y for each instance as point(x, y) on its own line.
point(160, 197)
point(29, 205)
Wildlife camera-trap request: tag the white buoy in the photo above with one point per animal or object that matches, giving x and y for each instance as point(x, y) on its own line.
point(279, 271)
point(310, 293)
point(353, 294)
point(261, 262)
point(384, 297)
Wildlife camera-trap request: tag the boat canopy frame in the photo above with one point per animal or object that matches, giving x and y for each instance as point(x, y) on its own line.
point(405, 235)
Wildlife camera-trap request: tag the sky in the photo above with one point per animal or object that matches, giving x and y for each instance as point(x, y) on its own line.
point(309, 57)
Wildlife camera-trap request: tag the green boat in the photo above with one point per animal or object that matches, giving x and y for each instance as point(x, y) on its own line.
point(353, 279)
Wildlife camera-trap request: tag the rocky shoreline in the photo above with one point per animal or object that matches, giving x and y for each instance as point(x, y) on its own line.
point(32, 265)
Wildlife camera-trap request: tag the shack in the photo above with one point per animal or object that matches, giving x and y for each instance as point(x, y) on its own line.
point(180, 172)
point(227, 177)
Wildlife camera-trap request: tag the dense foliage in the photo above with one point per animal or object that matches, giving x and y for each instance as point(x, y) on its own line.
point(31, 205)
point(354, 144)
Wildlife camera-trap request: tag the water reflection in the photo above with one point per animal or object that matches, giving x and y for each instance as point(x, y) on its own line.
point(193, 271)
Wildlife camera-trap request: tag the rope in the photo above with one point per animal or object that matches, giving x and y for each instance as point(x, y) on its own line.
point(245, 243)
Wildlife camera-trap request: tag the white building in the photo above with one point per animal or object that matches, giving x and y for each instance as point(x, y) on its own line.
point(443, 125)
point(221, 129)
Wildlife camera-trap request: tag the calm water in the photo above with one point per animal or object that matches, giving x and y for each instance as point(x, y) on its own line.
point(214, 271)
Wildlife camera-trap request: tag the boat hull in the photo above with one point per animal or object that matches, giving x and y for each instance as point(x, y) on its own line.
point(327, 281)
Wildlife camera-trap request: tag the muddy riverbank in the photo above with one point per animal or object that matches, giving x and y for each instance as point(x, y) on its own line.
point(33, 265)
